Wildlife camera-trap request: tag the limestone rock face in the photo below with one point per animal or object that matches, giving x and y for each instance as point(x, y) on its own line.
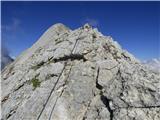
point(78, 75)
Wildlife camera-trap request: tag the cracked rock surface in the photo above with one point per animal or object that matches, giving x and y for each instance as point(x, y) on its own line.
point(78, 75)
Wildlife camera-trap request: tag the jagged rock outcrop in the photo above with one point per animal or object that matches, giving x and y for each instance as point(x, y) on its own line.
point(78, 75)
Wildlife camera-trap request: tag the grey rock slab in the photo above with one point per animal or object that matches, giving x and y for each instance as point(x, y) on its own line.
point(137, 114)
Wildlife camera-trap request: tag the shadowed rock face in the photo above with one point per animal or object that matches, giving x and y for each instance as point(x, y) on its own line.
point(5, 57)
point(78, 75)
point(5, 60)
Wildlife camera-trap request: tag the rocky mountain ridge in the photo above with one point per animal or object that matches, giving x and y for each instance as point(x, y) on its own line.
point(78, 75)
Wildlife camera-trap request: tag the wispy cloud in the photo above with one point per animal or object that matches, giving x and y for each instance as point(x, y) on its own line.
point(9, 33)
point(13, 26)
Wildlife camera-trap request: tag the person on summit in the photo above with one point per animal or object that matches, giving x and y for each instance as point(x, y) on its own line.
point(87, 27)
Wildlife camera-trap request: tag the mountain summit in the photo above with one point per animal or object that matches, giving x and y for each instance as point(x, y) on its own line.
point(78, 75)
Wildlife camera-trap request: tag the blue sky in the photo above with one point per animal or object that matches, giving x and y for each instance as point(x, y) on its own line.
point(135, 25)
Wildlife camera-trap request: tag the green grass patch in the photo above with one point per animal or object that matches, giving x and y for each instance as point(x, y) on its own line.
point(35, 83)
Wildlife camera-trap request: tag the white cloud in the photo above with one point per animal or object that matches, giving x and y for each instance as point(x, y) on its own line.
point(153, 64)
